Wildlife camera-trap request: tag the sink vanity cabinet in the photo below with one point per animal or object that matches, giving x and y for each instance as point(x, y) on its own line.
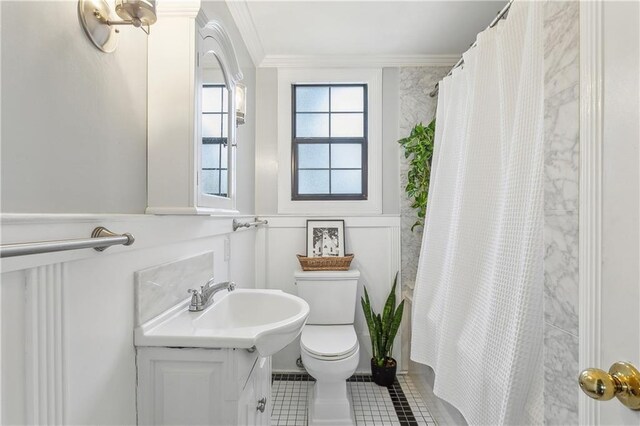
point(196, 386)
point(214, 366)
point(255, 403)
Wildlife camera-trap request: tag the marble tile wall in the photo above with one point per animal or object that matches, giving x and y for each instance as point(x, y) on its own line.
point(415, 84)
point(160, 287)
point(415, 106)
point(561, 110)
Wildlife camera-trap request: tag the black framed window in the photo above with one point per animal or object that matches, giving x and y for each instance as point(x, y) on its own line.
point(215, 123)
point(329, 142)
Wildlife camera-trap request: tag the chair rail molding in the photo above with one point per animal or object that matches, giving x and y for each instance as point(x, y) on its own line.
point(149, 230)
point(298, 221)
point(590, 232)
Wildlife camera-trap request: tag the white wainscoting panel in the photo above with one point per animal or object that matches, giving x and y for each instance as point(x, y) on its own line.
point(375, 241)
point(68, 318)
point(44, 345)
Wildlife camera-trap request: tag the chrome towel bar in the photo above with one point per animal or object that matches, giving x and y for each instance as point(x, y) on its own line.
point(101, 239)
point(257, 222)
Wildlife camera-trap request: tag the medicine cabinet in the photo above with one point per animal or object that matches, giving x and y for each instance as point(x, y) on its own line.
point(193, 72)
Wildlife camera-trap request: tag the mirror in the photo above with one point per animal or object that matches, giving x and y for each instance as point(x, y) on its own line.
point(218, 73)
point(216, 101)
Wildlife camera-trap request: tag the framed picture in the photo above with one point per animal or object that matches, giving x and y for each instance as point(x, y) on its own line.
point(325, 238)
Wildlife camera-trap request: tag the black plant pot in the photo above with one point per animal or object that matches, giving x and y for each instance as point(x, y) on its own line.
point(385, 375)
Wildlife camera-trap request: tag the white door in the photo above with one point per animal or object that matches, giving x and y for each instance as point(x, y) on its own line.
point(619, 302)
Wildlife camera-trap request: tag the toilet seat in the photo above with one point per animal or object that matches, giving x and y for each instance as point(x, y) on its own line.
point(329, 342)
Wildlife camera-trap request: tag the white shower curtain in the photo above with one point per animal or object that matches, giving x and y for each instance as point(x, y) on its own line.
point(477, 308)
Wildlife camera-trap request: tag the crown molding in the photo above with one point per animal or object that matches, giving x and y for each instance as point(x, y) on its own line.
point(243, 19)
point(177, 8)
point(359, 61)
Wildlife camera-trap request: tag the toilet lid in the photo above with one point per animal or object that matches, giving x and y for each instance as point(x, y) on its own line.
point(329, 341)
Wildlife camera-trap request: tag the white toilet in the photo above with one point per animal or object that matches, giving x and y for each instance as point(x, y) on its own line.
point(329, 344)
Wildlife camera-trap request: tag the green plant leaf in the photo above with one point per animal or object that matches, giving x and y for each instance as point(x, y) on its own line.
point(380, 338)
point(383, 327)
point(395, 325)
point(418, 149)
point(368, 315)
point(389, 307)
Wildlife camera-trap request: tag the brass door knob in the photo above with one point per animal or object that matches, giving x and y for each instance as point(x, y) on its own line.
point(622, 381)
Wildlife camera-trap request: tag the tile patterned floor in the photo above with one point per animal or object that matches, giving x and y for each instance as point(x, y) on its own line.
point(373, 405)
point(289, 393)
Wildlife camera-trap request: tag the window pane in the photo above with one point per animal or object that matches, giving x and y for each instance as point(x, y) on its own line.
point(211, 99)
point(225, 124)
point(223, 183)
point(346, 155)
point(347, 99)
point(346, 182)
point(312, 99)
point(347, 125)
point(312, 125)
point(313, 181)
point(225, 100)
point(313, 156)
point(211, 126)
point(224, 156)
point(210, 182)
point(210, 156)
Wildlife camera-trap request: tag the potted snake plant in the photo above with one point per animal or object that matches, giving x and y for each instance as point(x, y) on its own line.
point(382, 330)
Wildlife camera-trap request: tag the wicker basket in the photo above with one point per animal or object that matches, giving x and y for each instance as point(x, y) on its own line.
point(325, 263)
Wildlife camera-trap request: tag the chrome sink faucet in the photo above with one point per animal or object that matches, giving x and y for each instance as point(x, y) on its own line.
point(201, 298)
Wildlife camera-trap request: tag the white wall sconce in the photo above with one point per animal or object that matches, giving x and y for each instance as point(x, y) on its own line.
point(95, 17)
point(241, 103)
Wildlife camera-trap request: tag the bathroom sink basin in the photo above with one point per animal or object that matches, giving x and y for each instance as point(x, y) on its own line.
point(243, 318)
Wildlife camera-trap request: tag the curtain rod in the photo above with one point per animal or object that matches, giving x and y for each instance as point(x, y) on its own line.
point(501, 15)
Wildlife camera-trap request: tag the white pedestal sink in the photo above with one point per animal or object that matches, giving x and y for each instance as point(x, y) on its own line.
point(243, 318)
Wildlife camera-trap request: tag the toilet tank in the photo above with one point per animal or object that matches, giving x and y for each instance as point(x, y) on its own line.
point(331, 295)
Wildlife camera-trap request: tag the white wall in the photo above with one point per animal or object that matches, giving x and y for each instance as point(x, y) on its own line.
point(74, 118)
point(376, 244)
point(391, 152)
point(95, 307)
point(74, 131)
point(74, 141)
point(374, 239)
point(267, 142)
